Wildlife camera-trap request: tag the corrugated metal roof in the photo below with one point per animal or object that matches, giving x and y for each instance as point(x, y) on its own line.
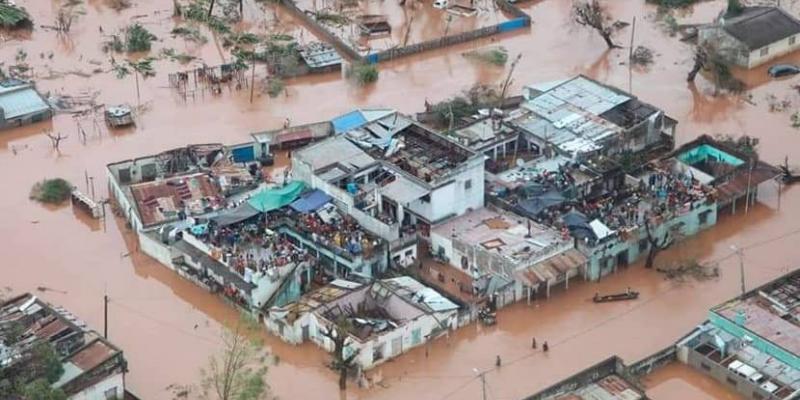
point(22, 100)
point(416, 292)
point(335, 150)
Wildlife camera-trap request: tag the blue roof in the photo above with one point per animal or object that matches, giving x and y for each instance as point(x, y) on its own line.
point(346, 122)
point(311, 201)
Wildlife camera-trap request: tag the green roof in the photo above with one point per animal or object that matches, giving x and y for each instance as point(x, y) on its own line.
point(273, 199)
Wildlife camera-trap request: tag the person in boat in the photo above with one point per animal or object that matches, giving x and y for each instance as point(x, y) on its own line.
point(628, 291)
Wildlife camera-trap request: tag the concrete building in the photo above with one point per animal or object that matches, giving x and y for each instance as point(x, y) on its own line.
point(607, 380)
point(93, 368)
point(734, 173)
point(506, 257)
point(754, 36)
point(205, 212)
point(752, 343)
point(382, 319)
point(21, 104)
point(394, 176)
point(580, 117)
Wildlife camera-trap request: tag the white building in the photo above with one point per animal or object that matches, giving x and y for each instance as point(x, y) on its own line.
point(493, 246)
point(384, 319)
point(396, 177)
point(754, 36)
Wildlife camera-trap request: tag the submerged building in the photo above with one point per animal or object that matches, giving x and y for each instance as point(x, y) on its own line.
point(753, 36)
point(92, 367)
point(382, 319)
point(504, 257)
point(606, 380)
point(752, 342)
point(21, 104)
point(395, 177)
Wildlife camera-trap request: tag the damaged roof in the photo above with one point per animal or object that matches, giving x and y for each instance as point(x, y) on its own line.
point(757, 27)
point(419, 294)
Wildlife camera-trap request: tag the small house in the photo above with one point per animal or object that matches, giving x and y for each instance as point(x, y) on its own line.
point(21, 104)
point(754, 36)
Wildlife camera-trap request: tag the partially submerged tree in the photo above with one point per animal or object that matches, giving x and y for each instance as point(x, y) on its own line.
point(707, 57)
point(138, 38)
point(341, 362)
point(592, 14)
point(143, 67)
point(13, 16)
point(239, 373)
point(39, 365)
point(52, 191)
point(656, 245)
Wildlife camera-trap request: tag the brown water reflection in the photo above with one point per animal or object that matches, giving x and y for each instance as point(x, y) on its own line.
point(168, 327)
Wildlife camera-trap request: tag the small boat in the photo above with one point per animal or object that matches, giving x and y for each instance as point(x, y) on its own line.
point(628, 295)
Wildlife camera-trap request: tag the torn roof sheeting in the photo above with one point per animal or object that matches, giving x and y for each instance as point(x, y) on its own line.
point(575, 106)
point(420, 294)
point(335, 151)
point(358, 118)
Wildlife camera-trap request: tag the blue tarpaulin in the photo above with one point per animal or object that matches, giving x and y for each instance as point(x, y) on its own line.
point(346, 122)
point(311, 201)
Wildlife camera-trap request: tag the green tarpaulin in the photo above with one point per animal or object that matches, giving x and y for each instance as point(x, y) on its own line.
point(273, 199)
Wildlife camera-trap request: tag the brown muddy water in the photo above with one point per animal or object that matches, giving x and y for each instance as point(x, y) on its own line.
point(168, 327)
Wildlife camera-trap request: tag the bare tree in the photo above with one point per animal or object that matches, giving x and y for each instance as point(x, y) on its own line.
point(341, 363)
point(509, 79)
point(56, 139)
point(656, 245)
point(707, 57)
point(591, 14)
point(239, 372)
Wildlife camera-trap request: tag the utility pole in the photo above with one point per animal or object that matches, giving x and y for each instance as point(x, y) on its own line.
point(482, 375)
point(740, 255)
point(105, 315)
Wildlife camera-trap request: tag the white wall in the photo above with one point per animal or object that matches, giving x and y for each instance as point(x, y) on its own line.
point(775, 50)
point(154, 248)
point(97, 392)
point(454, 198)
point(425, 324)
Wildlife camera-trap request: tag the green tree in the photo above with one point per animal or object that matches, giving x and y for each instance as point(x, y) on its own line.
point(239, 372)
point(143, 67)
point(40, 389)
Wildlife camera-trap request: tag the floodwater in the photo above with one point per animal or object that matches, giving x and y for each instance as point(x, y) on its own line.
point(168, 327)
point(680, 381)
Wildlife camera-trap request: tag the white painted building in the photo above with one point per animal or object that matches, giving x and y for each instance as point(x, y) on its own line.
point(755, 36)
point(396, 177)
point(486, 243)
point(385, 319)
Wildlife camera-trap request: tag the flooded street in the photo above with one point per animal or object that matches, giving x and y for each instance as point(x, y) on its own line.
point(168, 327)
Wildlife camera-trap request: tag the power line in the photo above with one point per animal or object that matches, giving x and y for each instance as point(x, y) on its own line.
point(630, 310)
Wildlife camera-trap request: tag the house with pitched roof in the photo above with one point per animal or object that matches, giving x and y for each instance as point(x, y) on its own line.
point(754, 36)
point(21, 104)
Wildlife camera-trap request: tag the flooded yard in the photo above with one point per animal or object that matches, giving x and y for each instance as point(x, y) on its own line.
point(168, 327)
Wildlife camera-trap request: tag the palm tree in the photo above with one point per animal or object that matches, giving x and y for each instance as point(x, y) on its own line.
point(143, 67)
